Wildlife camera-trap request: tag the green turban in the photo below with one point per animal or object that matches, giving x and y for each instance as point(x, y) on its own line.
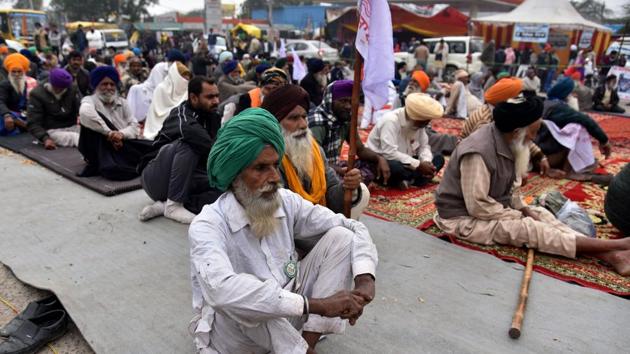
point(238, 144)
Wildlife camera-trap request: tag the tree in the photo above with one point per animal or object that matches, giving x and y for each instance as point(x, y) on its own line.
point(93, 10)
point(592, 10)
point(25, 4)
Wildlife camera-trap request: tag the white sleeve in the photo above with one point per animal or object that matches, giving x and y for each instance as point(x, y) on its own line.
point(424, 153)
point(389, 146)
point(90, 119)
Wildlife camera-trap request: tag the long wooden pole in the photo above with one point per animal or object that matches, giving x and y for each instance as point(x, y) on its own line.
point(519, 314)
point(356, 93)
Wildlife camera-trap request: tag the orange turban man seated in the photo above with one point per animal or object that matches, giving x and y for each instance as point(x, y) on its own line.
point(501, 91)
point(304, 167)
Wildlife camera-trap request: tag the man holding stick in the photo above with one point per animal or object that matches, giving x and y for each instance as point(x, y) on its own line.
point(477, 199)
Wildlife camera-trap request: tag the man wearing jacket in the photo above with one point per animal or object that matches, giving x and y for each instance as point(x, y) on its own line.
point(53, 109)
point(176, 179)
point(605, 98)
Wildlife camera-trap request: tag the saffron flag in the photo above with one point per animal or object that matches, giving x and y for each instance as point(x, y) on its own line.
point(375, 44)
point(299, 71)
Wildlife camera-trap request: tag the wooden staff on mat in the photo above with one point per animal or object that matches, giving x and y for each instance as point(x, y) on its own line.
point(356, 90)
point(517, 320)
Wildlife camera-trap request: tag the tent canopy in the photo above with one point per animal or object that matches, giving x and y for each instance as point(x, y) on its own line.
point(249, 29)
point(556, 13)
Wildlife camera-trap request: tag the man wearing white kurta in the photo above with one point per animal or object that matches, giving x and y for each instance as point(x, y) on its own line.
point(253, 291)
point(401, 138)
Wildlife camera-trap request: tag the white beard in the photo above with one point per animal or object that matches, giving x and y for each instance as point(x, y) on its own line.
point(259, 210)
point(521, 153)
point(18, 85)
point(300, 151)
point(106, 97)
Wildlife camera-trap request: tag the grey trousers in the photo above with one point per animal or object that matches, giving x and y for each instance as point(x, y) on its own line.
point(326, 269)
point(174, 174)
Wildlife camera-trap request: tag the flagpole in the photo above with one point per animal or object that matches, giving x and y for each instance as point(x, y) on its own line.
point(356, 90)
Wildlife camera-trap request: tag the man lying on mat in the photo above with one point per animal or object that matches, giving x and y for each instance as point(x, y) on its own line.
point(252, 292)
point(478, 201)
point(109, 132)
point(401, 138)
point(304, 168)
point(53, 109)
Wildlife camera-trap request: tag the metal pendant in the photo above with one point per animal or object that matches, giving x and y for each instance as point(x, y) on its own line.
point(290, 269)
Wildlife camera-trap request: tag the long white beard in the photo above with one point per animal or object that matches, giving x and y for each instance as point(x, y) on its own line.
point(521, 153)
point(299, 151)
point(18, 84)
point(259, 210)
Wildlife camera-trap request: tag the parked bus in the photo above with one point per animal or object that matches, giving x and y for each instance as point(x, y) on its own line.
point(19, 25)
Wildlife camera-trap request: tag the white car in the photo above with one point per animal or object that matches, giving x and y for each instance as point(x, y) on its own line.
point(115, 38)
point(310, 49)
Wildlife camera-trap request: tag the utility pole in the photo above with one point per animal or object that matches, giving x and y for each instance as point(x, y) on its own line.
point(271, 35)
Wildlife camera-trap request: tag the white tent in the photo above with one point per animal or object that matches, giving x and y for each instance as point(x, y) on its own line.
point(556, 13)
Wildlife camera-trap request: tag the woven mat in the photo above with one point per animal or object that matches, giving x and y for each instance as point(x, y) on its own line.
point(415, 207)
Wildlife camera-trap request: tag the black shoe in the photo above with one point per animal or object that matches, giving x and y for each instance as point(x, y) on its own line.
point(33, 309)
point(36, 333)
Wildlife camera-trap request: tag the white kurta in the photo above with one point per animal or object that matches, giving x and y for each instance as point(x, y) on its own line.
point(394, 139)
point(239, 283)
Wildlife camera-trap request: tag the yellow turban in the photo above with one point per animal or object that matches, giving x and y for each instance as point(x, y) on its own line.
point(16, 60)
point(503, 90)
point(422, 107)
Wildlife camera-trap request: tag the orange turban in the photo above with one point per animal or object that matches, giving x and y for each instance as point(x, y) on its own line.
point(16, 60)
point(503, 90)
point(422, 79)
point(119, 58)
point(4, 49)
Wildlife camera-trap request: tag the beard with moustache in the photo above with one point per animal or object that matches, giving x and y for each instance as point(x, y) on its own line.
point(19, 83)
point(299, 150)
point(106, 97)
point(520, 150)
point(259, 209)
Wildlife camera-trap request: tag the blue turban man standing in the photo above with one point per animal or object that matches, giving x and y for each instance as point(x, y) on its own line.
point(271, 272)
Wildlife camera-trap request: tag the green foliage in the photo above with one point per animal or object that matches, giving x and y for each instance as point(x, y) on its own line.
point(26, 4)
point(593, 10)
point(93, 10)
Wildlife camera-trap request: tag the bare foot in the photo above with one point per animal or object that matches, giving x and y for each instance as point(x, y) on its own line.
point(557, 174)
point(619, 260)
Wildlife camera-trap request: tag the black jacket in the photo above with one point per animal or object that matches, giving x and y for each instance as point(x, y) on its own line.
point(82, 80)
point(197, 129)
point(9, 99)
point(46, 112)
point(599, 93)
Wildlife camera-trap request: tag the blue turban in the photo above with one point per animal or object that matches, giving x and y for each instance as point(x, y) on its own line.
point(229, 66)
point(27, 53)
point(137, 51)
point(262, 67)
point(315, 65)
point(238, 144)
point(97, 75)
point(175, 55)
point(562, 89)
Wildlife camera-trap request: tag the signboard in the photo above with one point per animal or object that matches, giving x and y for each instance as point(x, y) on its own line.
point(586, 38)
point(558, 40)
point(623, 81)
point(531, 33)
point(213, 15)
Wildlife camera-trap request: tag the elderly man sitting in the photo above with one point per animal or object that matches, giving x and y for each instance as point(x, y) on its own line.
point(304, 168)
point(14, 95)
point(253, 292)
point(134, 75)
point(401, 138)
point(109, 133)
point(476, 200)
point(461, 102)
point(53, 110)
point(231, 83)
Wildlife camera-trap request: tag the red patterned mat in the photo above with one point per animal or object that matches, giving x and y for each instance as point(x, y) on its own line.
point(415, 207)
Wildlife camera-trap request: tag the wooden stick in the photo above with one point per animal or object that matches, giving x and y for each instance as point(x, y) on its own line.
point(517, 320)
point(356, 90)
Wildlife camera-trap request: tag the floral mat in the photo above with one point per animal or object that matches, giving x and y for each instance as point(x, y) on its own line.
point(415, 207)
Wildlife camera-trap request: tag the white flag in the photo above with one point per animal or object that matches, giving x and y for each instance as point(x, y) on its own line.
point(282, 53)
point(299, 71)
point(375, 44)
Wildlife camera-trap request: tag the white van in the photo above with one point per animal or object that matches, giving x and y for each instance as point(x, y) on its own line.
point(115, 38)
point(463, 53)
